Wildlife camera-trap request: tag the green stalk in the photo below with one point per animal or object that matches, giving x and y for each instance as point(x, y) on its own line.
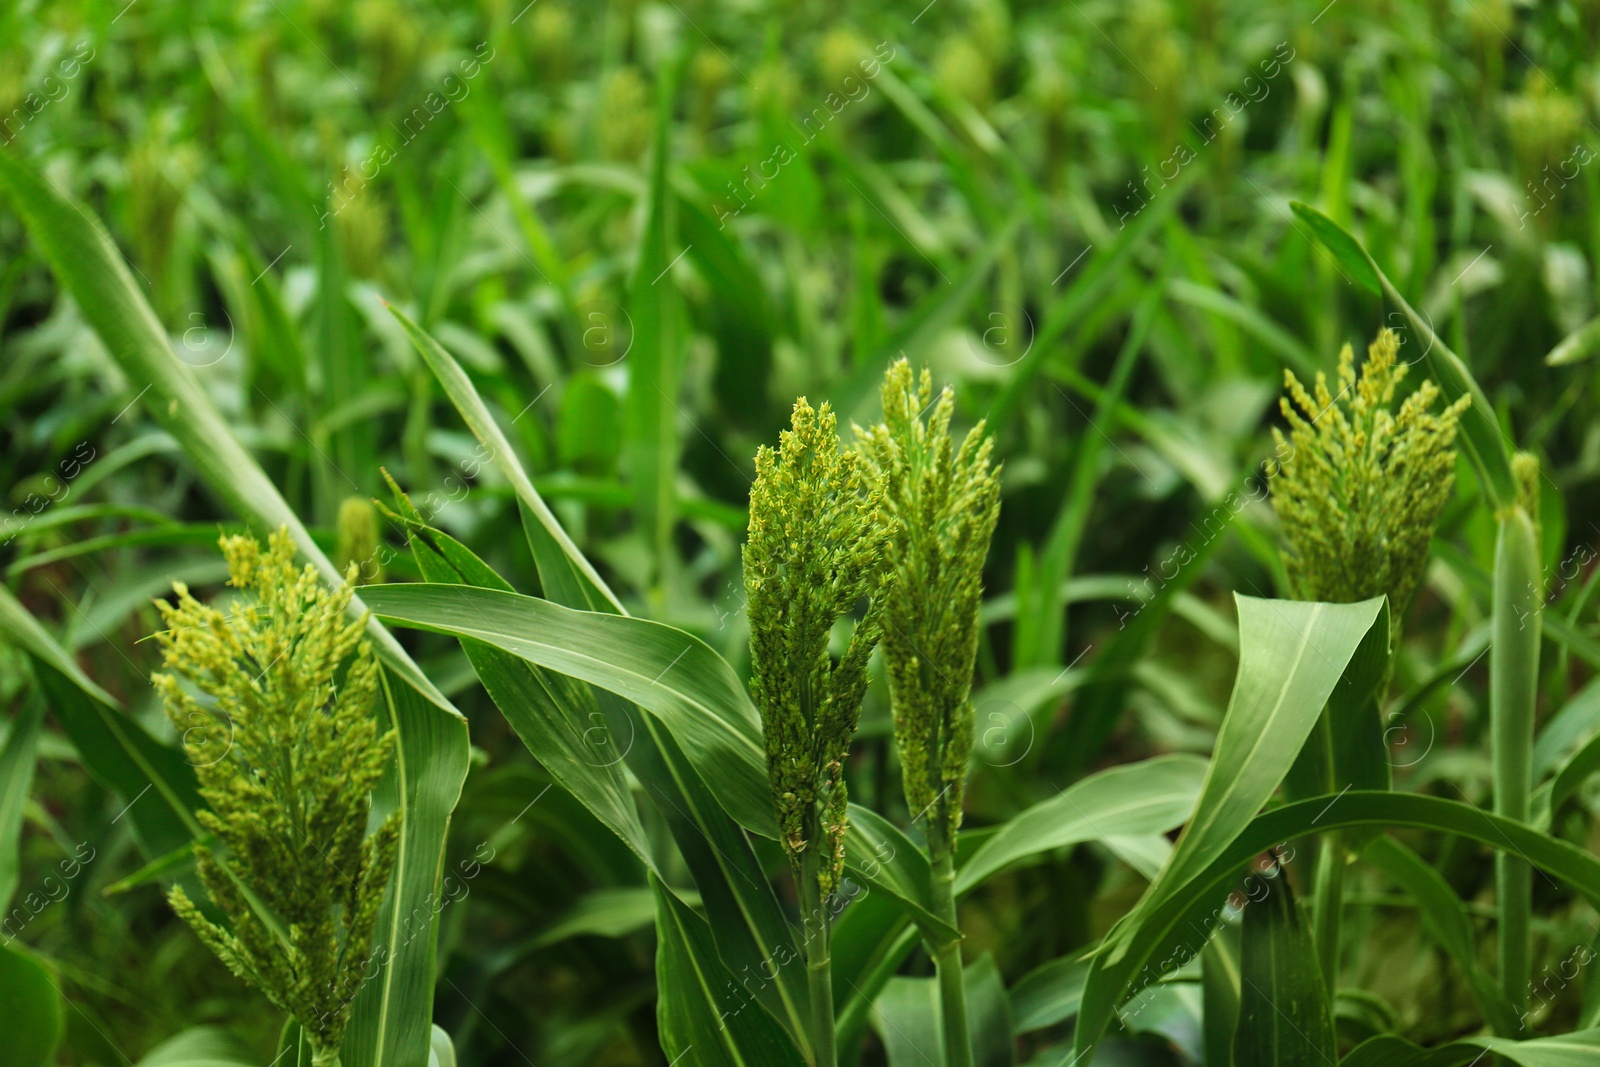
point(819, 965)
point(947, 959)
point(1329, 888)
point(1330, 902)
point(1513, 691)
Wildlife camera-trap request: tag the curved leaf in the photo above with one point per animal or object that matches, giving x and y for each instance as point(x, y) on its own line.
point(1578, 1049)
point(889, 861)
point(1291, 656)
point(16, 778)
point(1446, 920)
point(703, 1020)
point(1166, 928)
point(1149, 797)
point(664, 670)
point(1346, 249)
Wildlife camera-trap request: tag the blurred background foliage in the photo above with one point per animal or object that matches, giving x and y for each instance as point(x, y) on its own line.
point(1076, 214)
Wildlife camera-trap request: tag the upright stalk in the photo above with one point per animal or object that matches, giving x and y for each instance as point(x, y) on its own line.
point(819, 964)
point(1513, 692)
point(1329, 889)
point(947, 959)
point(1330, 903)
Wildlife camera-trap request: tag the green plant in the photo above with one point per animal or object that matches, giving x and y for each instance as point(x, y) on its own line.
point(1359, 488)
point(942, 504)
point(275, 700)
point(816, 548)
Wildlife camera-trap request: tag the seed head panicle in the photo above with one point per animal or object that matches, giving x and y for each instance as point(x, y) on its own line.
point(275, 701)
point(816, 549)
point(1362, 485)
point(942, 504)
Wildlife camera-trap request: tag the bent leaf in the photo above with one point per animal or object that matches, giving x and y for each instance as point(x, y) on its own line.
point(1164, 933)
point(1579, 1049)
point(1150, 797)
point(672, 674)
point(1291, 656)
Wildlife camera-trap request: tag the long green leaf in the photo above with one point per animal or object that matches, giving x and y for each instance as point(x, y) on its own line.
point(34, 1010)
point(1579, 1049)
point(650, 443)
point(156, 783)
point(891, 863)
point(1445, 919)
point(1283, 1005)
point(1169, 931)
point(1291, 656)
point(557, 718)
point(670, 673)
point(704, 1021)
point(572, 580)
point(722, 861)
point(1149, 797)
point(392, 1017)
point(16, 778)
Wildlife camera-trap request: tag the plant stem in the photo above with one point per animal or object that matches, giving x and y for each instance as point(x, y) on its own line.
point(1513, 692)
point(947, 958)
point(1330, 903)
point(1329, 889)
point(819, 965)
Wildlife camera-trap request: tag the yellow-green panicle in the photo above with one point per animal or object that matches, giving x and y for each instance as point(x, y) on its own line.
point(1361, 489)
point(815, 550)
point(942, 504)
point(275, 702)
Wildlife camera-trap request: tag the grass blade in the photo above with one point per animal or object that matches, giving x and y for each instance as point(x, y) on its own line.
point(1291, 656)
point(670, 673)
point(1283, 1005)
point(35, 1012)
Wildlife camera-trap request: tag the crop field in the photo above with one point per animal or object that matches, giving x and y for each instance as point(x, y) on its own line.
point(715, 533)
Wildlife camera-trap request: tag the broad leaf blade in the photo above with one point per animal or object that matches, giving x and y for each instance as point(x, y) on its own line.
point(1283, 1007)
point(701, 1019)
point(556, 717)
point(34, 1009)
point(670, 673)
point(1181, 923)
point(1291, 656)
point(1149, 797)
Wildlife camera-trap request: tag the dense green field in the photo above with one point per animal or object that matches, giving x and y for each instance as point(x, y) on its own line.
point(505, 299)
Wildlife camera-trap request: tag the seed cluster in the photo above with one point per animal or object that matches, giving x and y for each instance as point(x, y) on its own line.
point(942, 504)
point(274, 701)
point(816, 549)
point(1363, 485)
